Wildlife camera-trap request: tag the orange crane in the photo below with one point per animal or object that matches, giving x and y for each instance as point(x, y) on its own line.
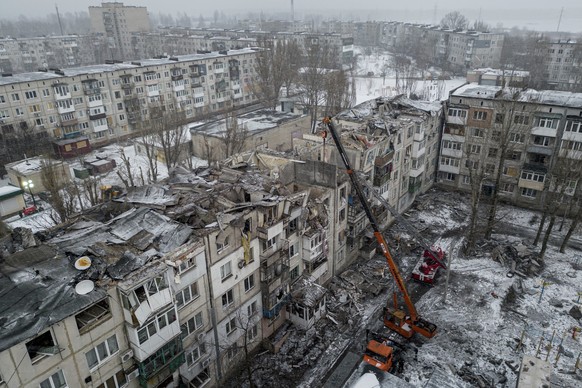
point(379, 351)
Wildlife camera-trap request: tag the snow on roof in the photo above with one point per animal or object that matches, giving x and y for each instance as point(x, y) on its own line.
point(500, 72)
point(253, 122)
point(548, 97)
point(47, 277)
point(30, 165)
point(5, 190)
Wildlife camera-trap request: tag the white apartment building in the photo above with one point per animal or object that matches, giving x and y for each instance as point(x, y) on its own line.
point(562, 61)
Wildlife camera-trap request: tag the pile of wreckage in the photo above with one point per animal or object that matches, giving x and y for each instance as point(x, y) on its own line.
point(520, 260)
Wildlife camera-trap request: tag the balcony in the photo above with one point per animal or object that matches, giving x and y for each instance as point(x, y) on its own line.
point(529, 184)
point(94, 103)
point(163, 363)
point(91, 90)
point(537, 167)
point(456, 131)
point(416, 171)
point(383, 160)
point(69, 122)
point(381, 179)
point(144, 345)
point(63, 110)
point(539, 149)
point(414, 187)
point(97, 116)
point(127, 85)
point(177, 76)
point(449, 168)
point(272, 229)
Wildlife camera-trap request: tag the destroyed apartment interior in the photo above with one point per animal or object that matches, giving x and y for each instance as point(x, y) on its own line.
point(342, 255)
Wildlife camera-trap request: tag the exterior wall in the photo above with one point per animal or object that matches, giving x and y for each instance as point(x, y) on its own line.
point(110, 101)
point(527, 164)
point(18, 173)
point(561, 60)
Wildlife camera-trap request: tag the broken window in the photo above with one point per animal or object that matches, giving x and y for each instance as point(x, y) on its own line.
point(201, 379)
point(268, 244)
point(222, 245)
point(41, 346)
point(93, 314)
point(227, 298)
point(158, 322)
point(230, 326)
point(190, 262)
point(293, 224)
point(252, 308)
point(293, 250)
point(294, 274)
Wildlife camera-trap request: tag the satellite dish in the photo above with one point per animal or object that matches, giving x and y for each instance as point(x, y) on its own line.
point(83, 263)
point(84, 287)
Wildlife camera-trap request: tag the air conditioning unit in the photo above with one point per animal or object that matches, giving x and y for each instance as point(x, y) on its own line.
point(127, 356)
point(201, 336)
point(132, 375)
point(205, 363)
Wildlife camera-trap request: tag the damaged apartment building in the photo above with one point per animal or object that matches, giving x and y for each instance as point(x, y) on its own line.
point(393, 144)
point(173, 283)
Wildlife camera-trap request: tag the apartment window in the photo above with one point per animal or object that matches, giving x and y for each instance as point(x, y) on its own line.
point(232, 351)
point(477, 132)
point(118, 380)
point(450, 161)
point(222, 245)
point(2, 99)
point(62, 90)
point(453, 145)
point(117, 95)
point(294, 274)
point(466, 179)
point(230, 326)
point(15, 97)
point(191, 325)
point(517, 137)
point(158, 323)
point(249, 283)
point(507, 187)
point(521, 120)
point(56, 380)
point(529, 193)
point(30, 94)
point(225, 271)
point(187, 295)
point(492, 152)
point(489, 168)
point(19, 111)
point(194, 355)
point(547, 123)
point(532, 176)
point(515, 155)
point(102, 352)
point(479, 115)
point(475, 149)
point(252, 308)
point(267, 244)
point(457, 113)
point(227, 298)
point(190, 262)
point(542, 141)
point(510, 171)
point(253, 332)
point(4, 114)
point(472, 164)
point(496, 136)
point(499, 118)
point(41, 346)
point(573, 126)
point(201, 378)
point(137, 78)
point(96, 313)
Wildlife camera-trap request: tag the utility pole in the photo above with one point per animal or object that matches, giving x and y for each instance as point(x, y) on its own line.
point(292, 12)
point(59, 19)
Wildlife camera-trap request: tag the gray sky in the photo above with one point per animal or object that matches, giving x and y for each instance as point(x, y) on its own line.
point(529, 13)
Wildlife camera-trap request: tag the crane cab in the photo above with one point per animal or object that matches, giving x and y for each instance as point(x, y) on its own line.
point(379, 354)
point(398, 321)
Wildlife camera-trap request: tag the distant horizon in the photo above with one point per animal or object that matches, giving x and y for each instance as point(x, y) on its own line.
point(537, 18)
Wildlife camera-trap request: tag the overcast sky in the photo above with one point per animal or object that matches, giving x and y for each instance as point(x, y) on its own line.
point(492, 11)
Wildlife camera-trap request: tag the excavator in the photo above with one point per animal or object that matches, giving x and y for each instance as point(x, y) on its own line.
point(380, 349)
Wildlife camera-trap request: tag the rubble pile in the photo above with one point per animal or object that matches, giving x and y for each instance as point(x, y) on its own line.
point(519, 259)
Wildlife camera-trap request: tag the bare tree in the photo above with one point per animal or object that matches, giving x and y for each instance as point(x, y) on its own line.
point(454, 21)
point(509, 133)
point(61, 193)
point(477, 175)
point(235, 136)
point(21, 140)
point(337, 92)
point(125, 172)
point(270, 66)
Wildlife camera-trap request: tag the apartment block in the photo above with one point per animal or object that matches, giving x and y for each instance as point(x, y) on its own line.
point(110, 101)
point(539, 127)
point(562, 60)
point(458, 50)
point(393, 143)
point(184, 279)
point(116, 22)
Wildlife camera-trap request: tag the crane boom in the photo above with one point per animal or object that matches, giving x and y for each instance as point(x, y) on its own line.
point(395, 319)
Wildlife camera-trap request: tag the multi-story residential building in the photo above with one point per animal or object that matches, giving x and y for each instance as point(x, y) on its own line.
point(110, 101)
point(533, 127)
point(116, 22)
point(394, 144)
point(180, 286)
point(458, 50)
point(562, 60)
